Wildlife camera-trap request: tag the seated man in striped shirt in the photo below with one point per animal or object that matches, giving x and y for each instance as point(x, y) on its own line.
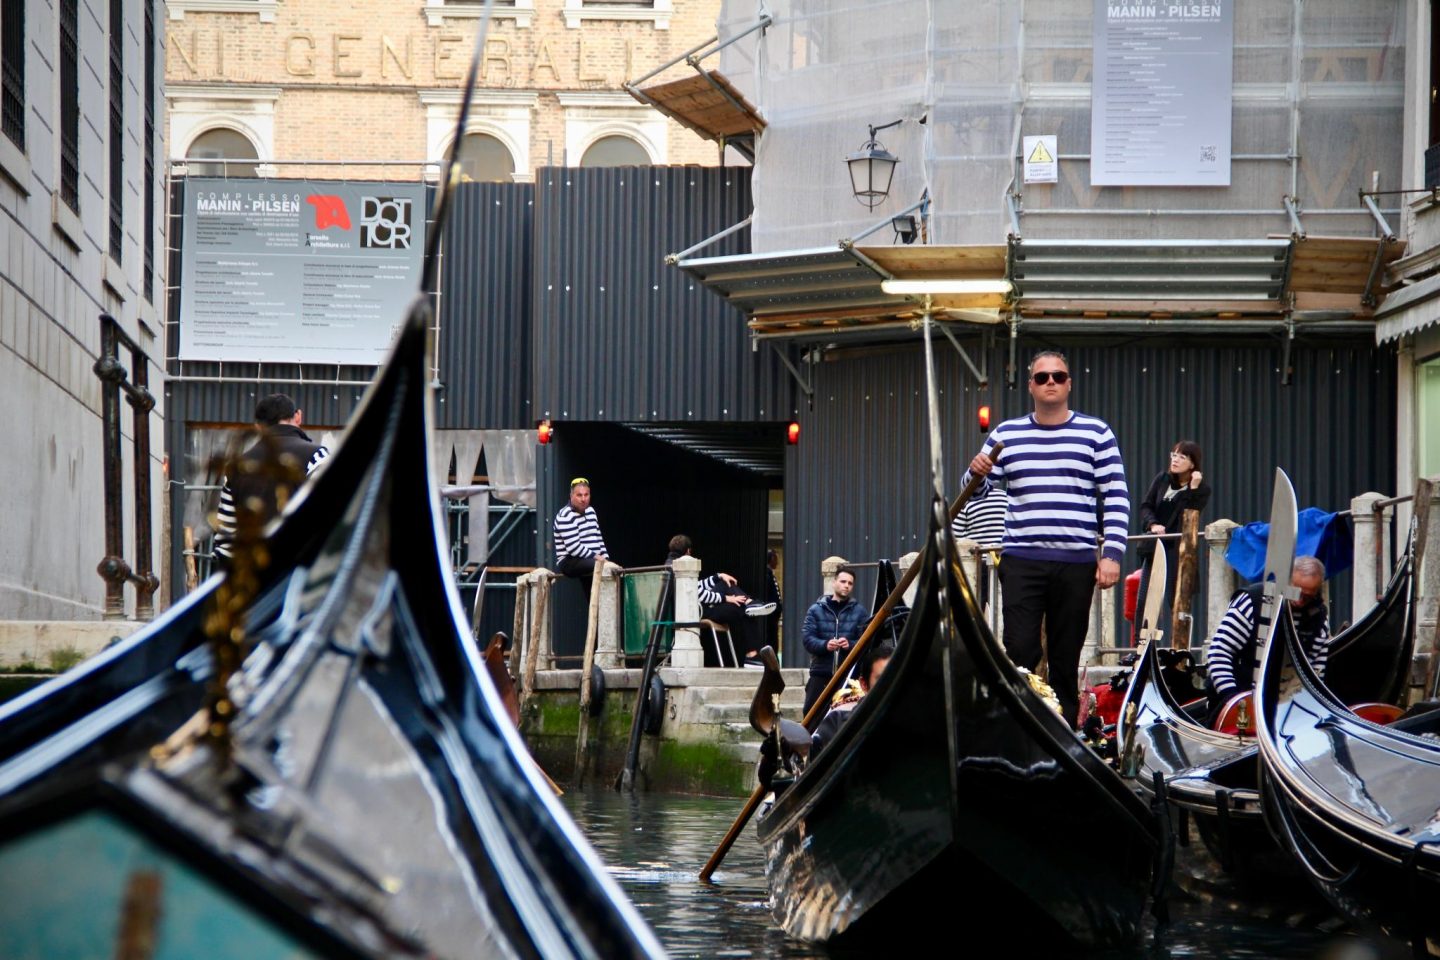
point(1230, 655)
point(578, 543)
point(724, 601)
point(1065, 481)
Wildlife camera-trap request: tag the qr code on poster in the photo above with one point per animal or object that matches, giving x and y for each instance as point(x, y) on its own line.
point(1208, 153)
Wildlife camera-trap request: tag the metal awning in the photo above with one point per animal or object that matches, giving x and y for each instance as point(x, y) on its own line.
point(757, 448)
point(817, 294)
point(813, 293)
point(1409, 310)
point(1149, 269)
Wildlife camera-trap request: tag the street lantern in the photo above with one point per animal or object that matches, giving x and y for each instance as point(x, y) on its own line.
point(872, 167)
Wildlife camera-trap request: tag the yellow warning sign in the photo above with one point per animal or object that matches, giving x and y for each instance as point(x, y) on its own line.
point(1040, 159)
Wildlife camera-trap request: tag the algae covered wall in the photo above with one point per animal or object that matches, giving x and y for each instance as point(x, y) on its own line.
point(689, 756)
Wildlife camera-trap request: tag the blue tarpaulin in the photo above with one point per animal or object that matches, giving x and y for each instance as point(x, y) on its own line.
point(1325, 536)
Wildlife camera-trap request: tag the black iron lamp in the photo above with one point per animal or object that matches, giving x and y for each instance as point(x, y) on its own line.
point(872, 167)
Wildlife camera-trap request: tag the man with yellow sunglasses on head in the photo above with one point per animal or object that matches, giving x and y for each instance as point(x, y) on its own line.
point(578, 542)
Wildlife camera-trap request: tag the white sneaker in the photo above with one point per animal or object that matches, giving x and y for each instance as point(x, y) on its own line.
point(759, 609)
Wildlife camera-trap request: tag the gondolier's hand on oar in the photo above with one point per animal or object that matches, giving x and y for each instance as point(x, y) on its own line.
point(981, 465)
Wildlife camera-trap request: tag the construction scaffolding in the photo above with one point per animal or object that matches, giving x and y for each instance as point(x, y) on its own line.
point(1316, 112)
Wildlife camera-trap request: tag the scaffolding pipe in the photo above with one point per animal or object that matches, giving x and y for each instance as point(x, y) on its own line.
point(675, 258)
point(1192, 212)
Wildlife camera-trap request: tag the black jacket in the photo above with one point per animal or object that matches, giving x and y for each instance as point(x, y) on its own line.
point(1154, 508)
point(257, 476)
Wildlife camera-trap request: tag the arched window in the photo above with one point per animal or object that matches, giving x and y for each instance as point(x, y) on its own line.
point(485, 159)
point(223, 144)
point(615, 151)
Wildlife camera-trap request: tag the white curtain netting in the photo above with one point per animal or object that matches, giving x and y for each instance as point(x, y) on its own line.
point(1317, 108)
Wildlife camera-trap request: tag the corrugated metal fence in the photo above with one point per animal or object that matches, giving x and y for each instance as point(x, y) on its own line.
point(858, 483)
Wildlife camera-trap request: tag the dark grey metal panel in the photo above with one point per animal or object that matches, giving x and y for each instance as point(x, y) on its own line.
point(326, 405)
point(618, 334)
point(485, 309)
point(857, 484)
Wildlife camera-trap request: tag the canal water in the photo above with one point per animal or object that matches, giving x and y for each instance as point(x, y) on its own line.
point(654, 845)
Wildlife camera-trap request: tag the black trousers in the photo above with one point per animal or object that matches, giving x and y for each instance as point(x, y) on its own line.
point(582, 569)
point(814, 686)
point(743, 629)
point(1057, 595)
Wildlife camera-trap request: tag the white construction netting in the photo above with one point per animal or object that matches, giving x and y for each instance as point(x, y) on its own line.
point(1316, 108)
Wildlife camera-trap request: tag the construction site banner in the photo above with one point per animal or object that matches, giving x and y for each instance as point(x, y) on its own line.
point(297, 271)
point(1161, 94)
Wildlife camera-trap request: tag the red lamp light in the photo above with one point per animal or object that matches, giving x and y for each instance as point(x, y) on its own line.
point(544, 431)
point(792, 433)
point(984, 417)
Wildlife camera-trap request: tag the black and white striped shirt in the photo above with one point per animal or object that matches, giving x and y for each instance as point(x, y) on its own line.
point(226, 521)
point(1230, 655)
point(1060, 479)
point(711, 590)
point(982, 519)
point(577, 534)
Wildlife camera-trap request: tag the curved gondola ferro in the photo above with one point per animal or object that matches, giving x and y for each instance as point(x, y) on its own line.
point(1213, 776)
point(955, 791)
point(370, 797)
point(1353, 801)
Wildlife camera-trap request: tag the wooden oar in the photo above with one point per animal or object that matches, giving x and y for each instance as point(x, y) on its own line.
point(842, 671)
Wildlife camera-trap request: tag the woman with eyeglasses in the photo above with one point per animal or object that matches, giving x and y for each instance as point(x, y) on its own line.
point(1178, 488)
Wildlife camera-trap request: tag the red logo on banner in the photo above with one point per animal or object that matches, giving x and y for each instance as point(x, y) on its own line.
point(329, 211)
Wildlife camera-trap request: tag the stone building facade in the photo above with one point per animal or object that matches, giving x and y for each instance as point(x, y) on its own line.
point(339, 83)
point(81, 234)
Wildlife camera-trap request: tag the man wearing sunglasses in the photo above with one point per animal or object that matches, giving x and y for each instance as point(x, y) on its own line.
point(578, 543)
point(1065, 482)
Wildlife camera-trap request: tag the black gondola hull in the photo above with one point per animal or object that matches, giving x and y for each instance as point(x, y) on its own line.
point(1353, 802)
point(954, 794)
point(1214, 777)
point(370, 796)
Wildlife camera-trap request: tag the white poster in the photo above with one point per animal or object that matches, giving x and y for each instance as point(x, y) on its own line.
point(1041, 165)
point(1160, 97)
point(298, 271)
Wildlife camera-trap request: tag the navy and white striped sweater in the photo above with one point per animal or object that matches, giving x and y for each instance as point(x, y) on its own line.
point(577, 534)
point(1060, 480)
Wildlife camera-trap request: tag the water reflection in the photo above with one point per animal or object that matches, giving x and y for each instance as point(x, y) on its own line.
point(655, 845)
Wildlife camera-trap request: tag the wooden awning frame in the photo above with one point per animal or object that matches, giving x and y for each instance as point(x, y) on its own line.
point(708, 104)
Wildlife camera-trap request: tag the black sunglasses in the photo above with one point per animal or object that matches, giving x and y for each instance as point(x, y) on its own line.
point(1042, 377)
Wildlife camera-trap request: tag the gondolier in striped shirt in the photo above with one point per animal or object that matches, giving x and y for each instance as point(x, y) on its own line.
point(1065, 483)
point(1230, 655)
point(257, 481)
point(578, 543)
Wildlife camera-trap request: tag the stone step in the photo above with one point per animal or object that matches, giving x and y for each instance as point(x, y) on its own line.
point(744, 739)
point(726, 713)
